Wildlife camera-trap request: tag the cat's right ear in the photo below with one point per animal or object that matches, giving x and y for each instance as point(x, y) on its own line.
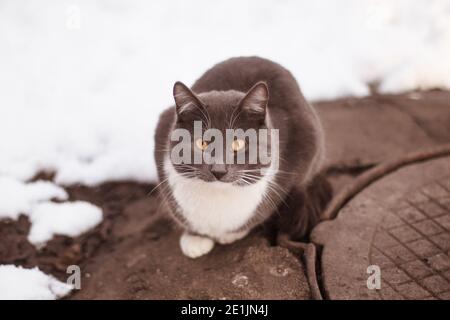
point(186, 101)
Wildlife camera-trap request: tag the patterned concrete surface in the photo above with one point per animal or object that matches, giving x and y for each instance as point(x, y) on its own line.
point(412, 244)
point(401, 223)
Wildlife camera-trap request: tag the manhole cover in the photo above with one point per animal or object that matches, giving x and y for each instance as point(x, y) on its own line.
point(401, 225)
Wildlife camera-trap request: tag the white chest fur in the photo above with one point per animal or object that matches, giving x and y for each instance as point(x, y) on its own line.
point(215, 208)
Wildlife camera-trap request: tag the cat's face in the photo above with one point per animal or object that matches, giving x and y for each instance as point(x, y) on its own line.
point(218, 136)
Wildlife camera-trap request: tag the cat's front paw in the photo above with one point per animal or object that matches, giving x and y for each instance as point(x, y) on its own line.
point(195, 246)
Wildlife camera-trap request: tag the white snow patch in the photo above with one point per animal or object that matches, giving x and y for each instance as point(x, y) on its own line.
point(69, 219)
point(47, 218)
point(17, 283)
point(18, 197)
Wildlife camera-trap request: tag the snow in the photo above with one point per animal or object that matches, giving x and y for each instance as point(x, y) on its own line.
point(82, 82)
point(34, 199)
point(18, 197)
point(17, 283)
point(70, 219)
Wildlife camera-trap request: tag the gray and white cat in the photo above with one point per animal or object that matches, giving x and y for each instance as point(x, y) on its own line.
point(219, 202)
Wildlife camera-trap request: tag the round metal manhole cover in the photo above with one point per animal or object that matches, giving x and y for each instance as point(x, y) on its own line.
point(397, 229)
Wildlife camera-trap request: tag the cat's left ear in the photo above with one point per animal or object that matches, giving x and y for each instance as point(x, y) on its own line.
point(256, 99)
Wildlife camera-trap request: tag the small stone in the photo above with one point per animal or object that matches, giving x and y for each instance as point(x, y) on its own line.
point(240, 280)
point(279, 271)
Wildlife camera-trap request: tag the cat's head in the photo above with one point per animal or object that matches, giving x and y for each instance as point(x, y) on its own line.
point(221, 136)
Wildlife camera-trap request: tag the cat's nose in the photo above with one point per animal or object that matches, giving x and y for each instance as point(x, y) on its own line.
point(218, 171)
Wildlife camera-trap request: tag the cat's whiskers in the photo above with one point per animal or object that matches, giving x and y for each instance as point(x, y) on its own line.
point(207, 116)
point(266, 196)
point(234, 117)
point(157, 186)
point(190, 171)
point(272, 185)
point(270, 173)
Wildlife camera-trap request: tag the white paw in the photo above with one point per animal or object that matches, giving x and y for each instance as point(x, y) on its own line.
point(195, 246)
point(231, 237)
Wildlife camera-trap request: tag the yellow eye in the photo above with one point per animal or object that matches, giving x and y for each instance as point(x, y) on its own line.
point(201, 144)
point(237, 144)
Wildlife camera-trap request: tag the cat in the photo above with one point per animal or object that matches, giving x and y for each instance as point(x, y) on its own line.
point(216, 202)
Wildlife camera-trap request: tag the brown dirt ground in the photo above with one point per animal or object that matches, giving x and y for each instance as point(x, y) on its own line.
point(134, 252)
